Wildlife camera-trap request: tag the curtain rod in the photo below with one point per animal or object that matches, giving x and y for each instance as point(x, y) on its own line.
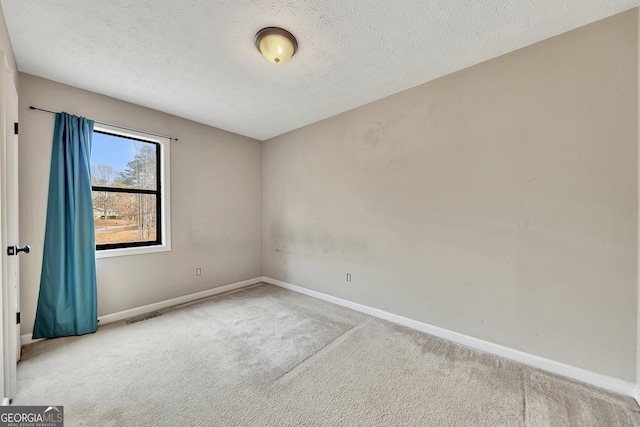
point(109, 124)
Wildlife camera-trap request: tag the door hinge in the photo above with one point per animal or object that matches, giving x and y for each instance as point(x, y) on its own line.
point(15, 128)
point(18, 318)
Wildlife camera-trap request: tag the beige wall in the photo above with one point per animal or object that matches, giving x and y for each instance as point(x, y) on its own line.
point(216, 202)
point(500, 201)
point(638, 261)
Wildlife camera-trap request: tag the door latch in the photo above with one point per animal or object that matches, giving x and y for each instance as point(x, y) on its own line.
point(15, 250)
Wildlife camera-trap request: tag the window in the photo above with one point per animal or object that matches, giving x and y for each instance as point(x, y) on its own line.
point(129, 179)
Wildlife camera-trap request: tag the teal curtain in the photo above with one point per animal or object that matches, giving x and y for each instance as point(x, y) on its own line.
point(67, 303)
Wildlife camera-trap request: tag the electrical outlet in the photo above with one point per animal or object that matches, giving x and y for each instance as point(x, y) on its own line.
point(348, 277)
point(198, 271)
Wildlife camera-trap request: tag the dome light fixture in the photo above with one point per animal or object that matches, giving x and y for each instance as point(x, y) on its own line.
point(276, 45)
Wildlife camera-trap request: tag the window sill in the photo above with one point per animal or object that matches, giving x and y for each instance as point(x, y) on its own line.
point(109, 253)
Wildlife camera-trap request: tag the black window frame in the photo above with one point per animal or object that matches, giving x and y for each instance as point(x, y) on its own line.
point(157, 192)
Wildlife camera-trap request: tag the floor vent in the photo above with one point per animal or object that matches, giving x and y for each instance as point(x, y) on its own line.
point(142, 317)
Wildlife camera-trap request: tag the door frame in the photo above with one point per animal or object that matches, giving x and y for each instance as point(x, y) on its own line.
point(9, 219)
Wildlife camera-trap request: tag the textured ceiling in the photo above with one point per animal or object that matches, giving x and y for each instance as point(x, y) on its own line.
point(196, 58)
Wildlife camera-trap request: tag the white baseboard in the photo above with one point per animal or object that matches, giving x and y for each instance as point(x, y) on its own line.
point(121, 315)
point(615, 385)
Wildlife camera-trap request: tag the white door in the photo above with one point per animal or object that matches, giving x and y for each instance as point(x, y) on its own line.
point(10, 230)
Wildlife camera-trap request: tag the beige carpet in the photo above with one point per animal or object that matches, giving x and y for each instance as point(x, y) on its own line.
point(265, 356)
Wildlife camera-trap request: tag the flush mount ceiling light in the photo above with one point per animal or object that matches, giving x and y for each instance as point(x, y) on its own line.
point(276, 44)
